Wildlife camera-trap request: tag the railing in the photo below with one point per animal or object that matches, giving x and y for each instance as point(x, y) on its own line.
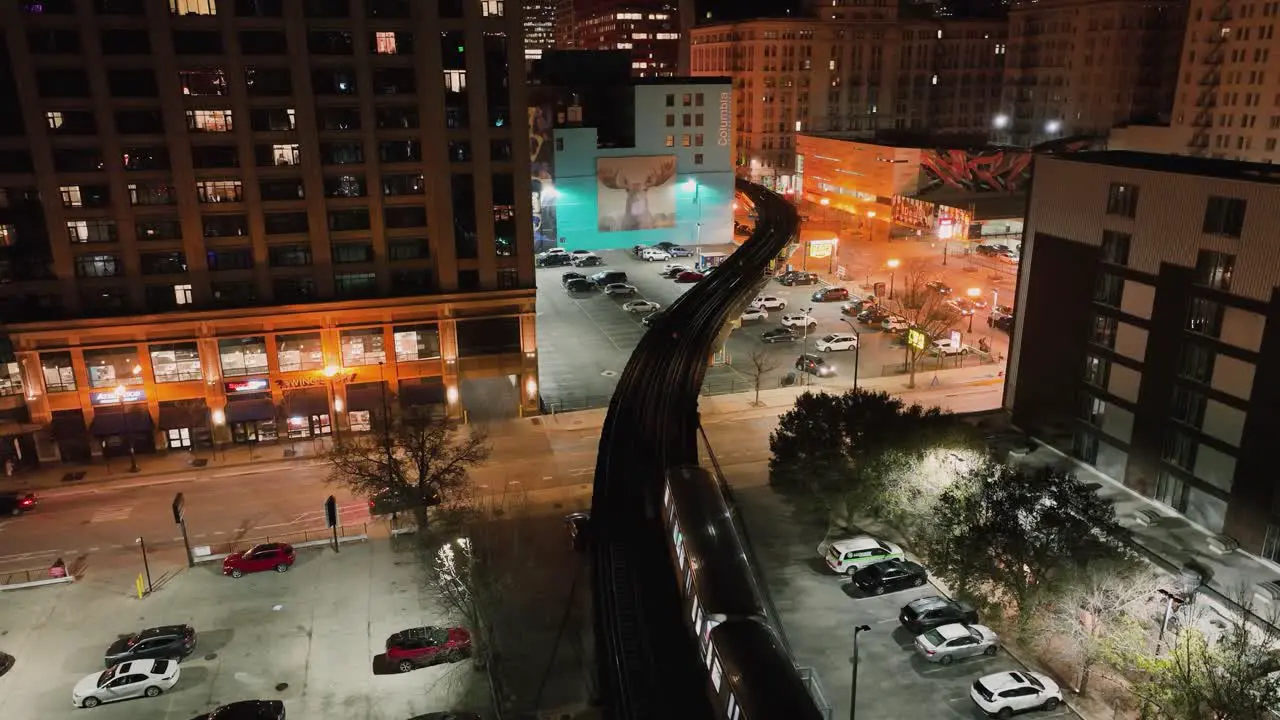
point(296, 537)
point(17, 577)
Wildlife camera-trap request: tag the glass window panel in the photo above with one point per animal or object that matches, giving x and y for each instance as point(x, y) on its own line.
point(243, 356)
point(362, 347)
point(111, 367)
point(59, 375)
point(299, 352)
point(420, 342)
point(176, 362)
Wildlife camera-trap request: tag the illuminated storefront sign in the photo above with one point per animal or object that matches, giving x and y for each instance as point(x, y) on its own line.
point(821, 248)
point(111, 397)
point(723, 139)
point(247, 386)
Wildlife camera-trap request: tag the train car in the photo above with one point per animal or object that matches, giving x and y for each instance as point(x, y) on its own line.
point(753, 678)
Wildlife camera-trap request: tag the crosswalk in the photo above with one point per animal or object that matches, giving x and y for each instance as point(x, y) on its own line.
point(111, 514)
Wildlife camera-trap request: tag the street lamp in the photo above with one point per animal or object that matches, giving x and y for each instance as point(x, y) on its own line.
point(853, 689)
point(1168, 614)
point(857, 349)
point(330, 372)
point(1000, 121)
point(893, 264)
point(692, 185)
point(804, 341)
point(146, 566)
point(871, 215)
point(973, 294)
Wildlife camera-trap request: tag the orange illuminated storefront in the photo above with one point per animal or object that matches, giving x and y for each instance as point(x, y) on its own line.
point(99, 387)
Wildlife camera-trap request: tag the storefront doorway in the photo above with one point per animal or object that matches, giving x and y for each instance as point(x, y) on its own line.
point(184, 425)
point(252, 417)
point(123, 431)
point(303, 426)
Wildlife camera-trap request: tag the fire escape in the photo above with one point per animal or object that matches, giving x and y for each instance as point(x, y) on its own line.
point(1207, 100)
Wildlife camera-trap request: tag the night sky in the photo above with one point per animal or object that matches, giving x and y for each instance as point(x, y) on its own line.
point(722, 10)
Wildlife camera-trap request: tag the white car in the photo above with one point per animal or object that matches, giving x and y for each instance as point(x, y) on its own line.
point(654, 255)
point(754, 313)
point(799, 321)
point(836, 342)
point(553, 251)
point(947, 643)
point(640, 306)
point(619, 289)
point(948, 348)
point(581, 253)
point(895, 324)
point(770, 302)
point(1003, 694)
point(136, 678)
point(852, 554)
point(675, 267)
point(677, 251)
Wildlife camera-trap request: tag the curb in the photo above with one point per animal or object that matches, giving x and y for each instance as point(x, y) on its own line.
point(38, 583)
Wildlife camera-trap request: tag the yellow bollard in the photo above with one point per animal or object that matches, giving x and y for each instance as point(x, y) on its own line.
point(138, 583)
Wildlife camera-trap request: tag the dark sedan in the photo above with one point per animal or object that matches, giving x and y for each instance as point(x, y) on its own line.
point(246, 710)
point(934, 611)
point(777, 335)
point(17, 503)
point(890, 576)
point(171, 642)
point(1004, 323)
point(815, 365)
point(873, 316)
point(566, 277)
point(557, 260)
point(689, 276)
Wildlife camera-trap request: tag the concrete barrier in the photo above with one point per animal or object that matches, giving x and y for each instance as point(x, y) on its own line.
point(37, 583)
point(342, 540)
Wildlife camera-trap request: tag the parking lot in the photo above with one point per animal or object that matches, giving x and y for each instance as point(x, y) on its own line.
point(308, 637)
point(819, 611)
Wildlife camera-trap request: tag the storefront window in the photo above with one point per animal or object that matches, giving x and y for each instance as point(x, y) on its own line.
point(299, 352)
point(111, 367)
point(421, 342)
point(176, 362)
point(243, 356)
point(362, 347)
point(360, 421)
point(10, 379)
point(58, 373)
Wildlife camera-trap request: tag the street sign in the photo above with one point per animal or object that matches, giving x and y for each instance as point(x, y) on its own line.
point(179, 508)
point(915, 339)
point(331, 512)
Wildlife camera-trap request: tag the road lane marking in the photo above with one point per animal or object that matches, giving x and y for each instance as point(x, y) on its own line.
point(95, 548)
point(112, 514)
point(30, 555)
point(219, 532)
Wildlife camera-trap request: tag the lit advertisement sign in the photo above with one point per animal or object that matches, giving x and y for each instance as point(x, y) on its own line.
point(821, 248)
point(723, 138)
point(915, 339)
point(111, 397)
point(636, 193)
point(240, 387)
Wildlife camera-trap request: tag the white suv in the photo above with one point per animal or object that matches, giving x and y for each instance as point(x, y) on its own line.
point(770, 302)
point(837, 341)
point(1003, 694)
point(654, 255)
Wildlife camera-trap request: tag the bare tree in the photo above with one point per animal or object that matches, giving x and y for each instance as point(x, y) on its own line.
point(923, 309)
point(413, 464)
point(761, 365)
point(1098, 613)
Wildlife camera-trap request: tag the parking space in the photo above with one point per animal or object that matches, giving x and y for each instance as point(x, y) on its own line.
point(819, 611)
point(308, 637)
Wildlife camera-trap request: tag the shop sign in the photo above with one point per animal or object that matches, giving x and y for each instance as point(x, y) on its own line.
point(723, 138)
point(239, 387)
point(306, 382)
point(821, 248)
point(112, 397)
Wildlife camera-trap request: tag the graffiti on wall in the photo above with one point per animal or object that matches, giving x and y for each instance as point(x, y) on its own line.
point(542, 173)
point(1005, 171)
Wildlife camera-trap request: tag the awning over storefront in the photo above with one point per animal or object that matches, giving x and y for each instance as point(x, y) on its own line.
point(183, 416)
point(367, 396)
point(9, 428)
point(250, 409)
point(114, 422)
point(68, 425)
point(307, 402)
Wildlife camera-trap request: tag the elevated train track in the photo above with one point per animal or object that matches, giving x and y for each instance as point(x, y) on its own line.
point(649, 663)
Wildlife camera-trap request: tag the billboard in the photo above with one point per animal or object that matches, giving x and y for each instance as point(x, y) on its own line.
point(635, 193)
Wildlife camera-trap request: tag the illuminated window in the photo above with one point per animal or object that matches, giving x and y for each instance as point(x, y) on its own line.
point(491, 8)
point(54, 118)
point(455, 80)
point(8, 234)
point(71, 196)
point(209, 120)
point(193, 7)
point(286, 154)
point(216, 191)
point(182, 294)
point(685, 141)
point(211, 82)
point(671, 141)
point(91, 231)
point(384, 43)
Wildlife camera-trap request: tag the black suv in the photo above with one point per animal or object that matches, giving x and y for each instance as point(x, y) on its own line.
point(16, 504)
point(794, 277)
point(927, 613)
point(556, 260)
point(608, 277)
point(565, 278)
point(246, 710)
point(171, 642)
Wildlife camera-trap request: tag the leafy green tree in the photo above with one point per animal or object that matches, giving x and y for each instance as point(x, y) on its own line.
point(1016, 532)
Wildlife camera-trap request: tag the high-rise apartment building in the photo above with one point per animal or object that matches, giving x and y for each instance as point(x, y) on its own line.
point(854, 70)
point(1082, 67)
point(539, 27)
point(244, 219)
point(1147, 340)
point(655, 32)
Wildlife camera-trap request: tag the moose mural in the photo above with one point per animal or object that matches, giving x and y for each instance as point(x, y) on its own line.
point(636, 193)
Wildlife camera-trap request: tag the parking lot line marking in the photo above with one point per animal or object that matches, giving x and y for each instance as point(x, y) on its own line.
point(94, 548)
point(219, 532)
point(886, 622)
point(174, 540)
point(960, 699)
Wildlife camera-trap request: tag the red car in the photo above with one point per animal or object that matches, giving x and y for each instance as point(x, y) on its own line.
point(267, 556)
point(419, 647)
point(689, 276)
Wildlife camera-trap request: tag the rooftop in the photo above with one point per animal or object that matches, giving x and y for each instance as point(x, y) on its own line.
point(1180, 164)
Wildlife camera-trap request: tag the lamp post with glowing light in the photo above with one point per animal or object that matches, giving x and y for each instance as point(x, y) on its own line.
point(871, 215)
point(973, 294)
point(892, 265)
point(692, 185)
point(128, 437)
point(329, 373)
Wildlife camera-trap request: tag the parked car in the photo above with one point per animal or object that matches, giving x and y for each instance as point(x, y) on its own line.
point(815, 365)
point(619, 289)
point(6, 663)
point(947, 643)
point(1004, 323)
point(799, 320)
point(894, 325)
point(780, 334)
point(418, 647)
point(1009, 258)
point(558, 260)
point(934, 611)
point(552, 251)
point(579, 526)
point(640, 306)
point(587, 261)
point(999, 311)
point(167, 642)
point(890, 576)
point(580, 253)
point(873, 315)
point(991, 250)
point(608, 277)
point(17, 503)
point(948, 348)
point(689, 276)
point(137, 678)
point(579, 285)
point(770, 302)
point(671, 271)
point(1003, 694)
point(836, 342)
point(246, 710)
point(939, 286)
point(654, 255)
point(754, 313)
point(849, 555)
point(267, 556)
point(566, 277)
point(830, 294)
point(653, 318)
point(795, 277)
point(677, 251)
point(678, 267)
point(855, 306)
point(962, 306)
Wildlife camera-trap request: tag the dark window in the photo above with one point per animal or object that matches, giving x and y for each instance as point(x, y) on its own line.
point(152, 193)
point(1122, 200)
point(464, 216)
point(224, 225)
point(293, 290)
point(459, 151)
point(1224, 216)
point(132, 83)
point(285, 223)
point(345, 186)
point(1196, 363)
point(54, 42)
point(1115, 247)
point(1204, 316)
point(90, 196)
point(1092, 409)
point(140, 122)
point(265, 82)
point(1097, 370)
point(197, 42)
point(1178, 449)
point(1084, 446)
point(504, 214)
point(234, 294)
point(146, 158)
point(450, 8)
point(161, 298)
point(289, 255)
point(405, 184)
point(352, 253)
point(387, 8)
point(263, 42)
point(77, 160)
point(163, 263)
point(100, 302)
point(329, 42)
point(126, 42)
point(209, 82)
point(400, 151)
point(333, 81)
point(354, 219)
point(1214, 269)
point(508, 278)
point(396, 117)
point(72, 122)
point(469, 280)
point(408, 249)
point(496, 73)
point(404, 217)
point(338, 118)
point(326, 8)
point(149, 228)
point(411, 282)
point(1107, 289)
point(260, 8)
point(500, 150)
point(394, 81)
point(1103, 331)
point(215, 156)
point(1187, 406)
point(15, 161)
point(235, 259)
point(355, 285)
point(120, 7)
point(341, 153)
point(62, 83)
point(91, 266)
point(92, 231)
point(489, 336)
point(290, 189)
point(272, 120)
point(453, 50)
